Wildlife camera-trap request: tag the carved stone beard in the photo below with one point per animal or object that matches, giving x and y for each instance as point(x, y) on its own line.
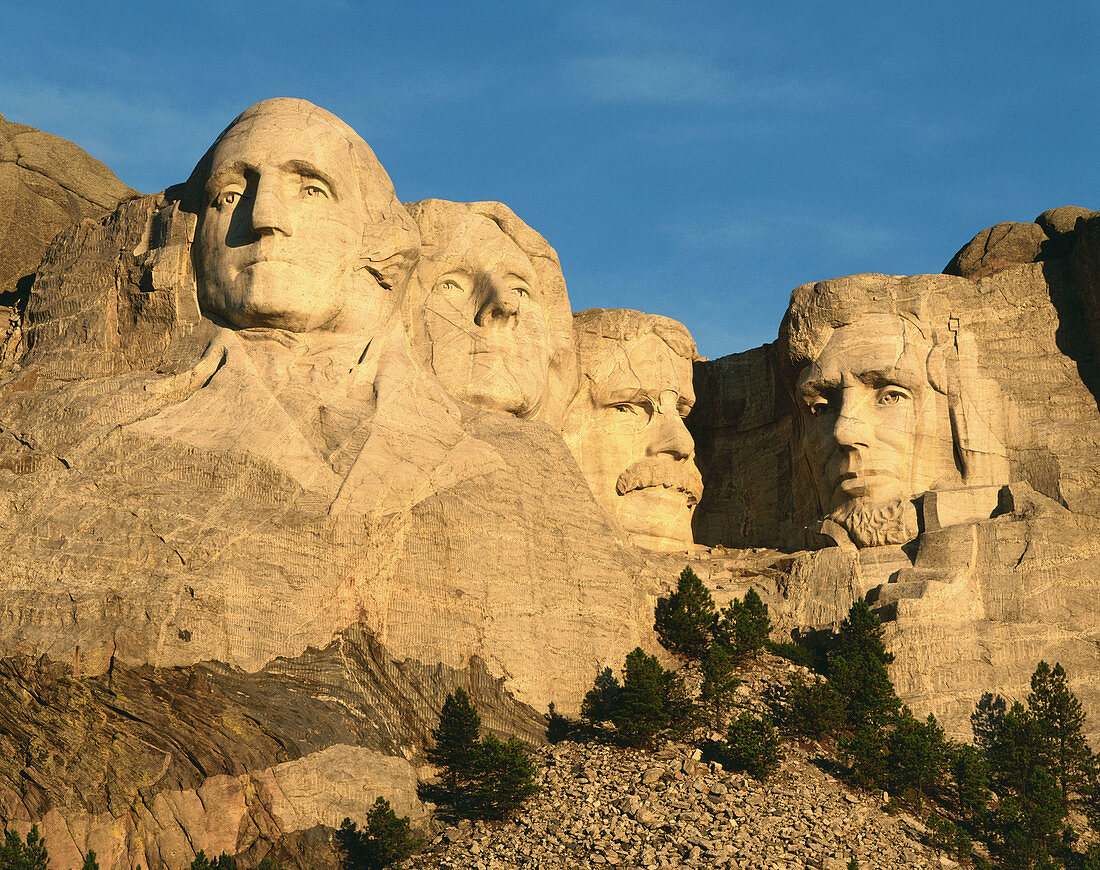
point(877, 524)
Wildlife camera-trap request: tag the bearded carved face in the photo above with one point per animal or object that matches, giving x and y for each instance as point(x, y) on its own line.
point(875, 431)
point(627, 432)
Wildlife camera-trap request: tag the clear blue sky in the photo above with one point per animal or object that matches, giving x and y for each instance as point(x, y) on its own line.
point(693, 159)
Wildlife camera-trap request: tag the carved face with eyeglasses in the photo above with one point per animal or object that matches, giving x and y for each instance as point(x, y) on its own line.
point(484, 315)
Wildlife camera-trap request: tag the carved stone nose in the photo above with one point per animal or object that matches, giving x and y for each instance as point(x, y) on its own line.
point(501, 303)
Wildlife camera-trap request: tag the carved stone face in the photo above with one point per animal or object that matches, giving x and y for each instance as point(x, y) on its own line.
point(484, 319)
point(874, 428)
point(627, 431)
point(281, 224)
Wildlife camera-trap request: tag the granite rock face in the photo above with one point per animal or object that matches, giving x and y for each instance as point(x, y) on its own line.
point(222, 468)
point(46, 185)
point(932, 441)
point(283, 462)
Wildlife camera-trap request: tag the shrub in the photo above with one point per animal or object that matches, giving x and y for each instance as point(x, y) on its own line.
point(685, 620)
point(744, 626)
point(384, 840)
point(752, 745)
point(815, 710)
point(480, 778)
point(719, 681)
point(916, 756)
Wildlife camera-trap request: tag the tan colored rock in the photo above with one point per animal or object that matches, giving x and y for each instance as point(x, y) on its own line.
point(997, 248)
point(46, 185)
point(490, 315)
point(626, 427)
point(207, 467)
point(890, 402)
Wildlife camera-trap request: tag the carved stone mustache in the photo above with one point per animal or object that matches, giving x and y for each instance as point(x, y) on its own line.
point(680, 475)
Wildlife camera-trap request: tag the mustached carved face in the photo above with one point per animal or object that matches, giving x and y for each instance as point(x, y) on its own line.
point(628, 434)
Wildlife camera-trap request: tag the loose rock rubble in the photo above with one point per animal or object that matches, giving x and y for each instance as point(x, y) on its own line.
point(602, 806)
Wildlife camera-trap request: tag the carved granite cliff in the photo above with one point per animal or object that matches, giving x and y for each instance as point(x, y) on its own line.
point(224, 464)
point(283, 462)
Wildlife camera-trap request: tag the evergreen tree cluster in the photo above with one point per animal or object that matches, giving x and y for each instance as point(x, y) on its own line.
point(481, 777)
point(1013, 789)
point(384, 840)
point(648, 701)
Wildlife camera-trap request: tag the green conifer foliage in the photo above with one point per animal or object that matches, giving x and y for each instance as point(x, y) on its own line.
point(505, 777)
point(752, 744)
point(599, 703)
point(640, 712)
point(1061, 721)
point(481, 778)
point(685, 620)
point(987, 718)
point(857, 669)
point(456, 740)
point(719, 681)
point(916, 757)
point(744, 626)
point(15, 854)
point(384, 840)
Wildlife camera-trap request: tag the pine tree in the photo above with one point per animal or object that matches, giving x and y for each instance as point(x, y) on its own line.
point(90, 862)
point(970, 776)
point(916, 756)
point(640, 712)
point(987, 718)
point(752, 745)
point(685, 620)
point(719, 681)
point(15, 854)
point(505, 777)
point(1061, 721)
point(744, 626)
point(456, 741)
point(599, 703)
point(384, 840)
point(857, 669)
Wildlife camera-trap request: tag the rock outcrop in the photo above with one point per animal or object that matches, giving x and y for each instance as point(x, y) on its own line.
point(46, 185)
point(283, 462)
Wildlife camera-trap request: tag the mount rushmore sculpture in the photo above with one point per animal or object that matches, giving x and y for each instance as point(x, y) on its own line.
point(285, 461)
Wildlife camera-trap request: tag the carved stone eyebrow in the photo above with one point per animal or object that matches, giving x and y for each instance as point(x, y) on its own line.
point(217, 179)
point(309, 170)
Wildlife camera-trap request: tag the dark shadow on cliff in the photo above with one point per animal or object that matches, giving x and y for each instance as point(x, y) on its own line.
point(1073, 336)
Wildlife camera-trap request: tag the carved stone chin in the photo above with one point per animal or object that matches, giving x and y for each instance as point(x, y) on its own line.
point(877, 524)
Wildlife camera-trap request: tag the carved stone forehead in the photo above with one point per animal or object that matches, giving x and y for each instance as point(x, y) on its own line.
point(280, 123)
point(597, 329)
point(817, 310)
